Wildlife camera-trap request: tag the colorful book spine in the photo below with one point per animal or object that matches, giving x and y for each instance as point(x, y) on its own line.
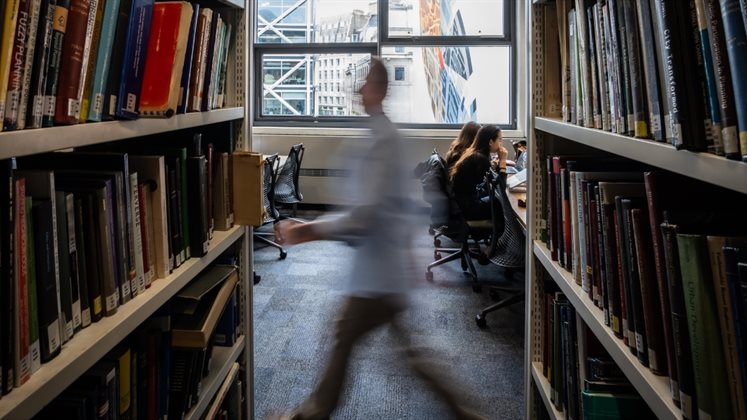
point(665, 20)
point(22, 359)
point(6, 48)
point(93, 34)
point(138, 31)
point(646, 31)
point(35, 12)
point(17, 64)
point(67, 106)
point(710, 79)
point(736, 47)
point(59, 29)
point(42, 55)
point(188, 57)
point(34, 346)
point(103, 60)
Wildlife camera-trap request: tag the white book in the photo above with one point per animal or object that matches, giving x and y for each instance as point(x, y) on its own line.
point(138, 285)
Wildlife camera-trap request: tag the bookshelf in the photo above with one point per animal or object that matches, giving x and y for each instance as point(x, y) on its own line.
point(550, 135)
point(90, 344)
point(222, 361)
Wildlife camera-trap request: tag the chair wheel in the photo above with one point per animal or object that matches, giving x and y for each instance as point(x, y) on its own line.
point(429, 276)
point(476, 287)
point(437, 243)
point(481, 322)
point(431, 231)
point(494, 295)
point(283, 254)
point(436, 255)
point(257, 278)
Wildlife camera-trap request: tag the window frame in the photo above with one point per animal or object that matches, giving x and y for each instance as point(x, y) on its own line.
point(384, 40)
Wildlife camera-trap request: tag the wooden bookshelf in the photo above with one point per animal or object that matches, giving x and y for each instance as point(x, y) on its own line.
point(544, 389)
point(654, 389)
point(92, 343)
point(222, 361)
point(40, 140)
point(731, 174)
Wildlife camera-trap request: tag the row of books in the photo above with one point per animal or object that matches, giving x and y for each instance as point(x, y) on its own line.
point(78, 243)
point(153, 373)
point(70, 61)
point(600, 390)
point(661, 264)
point(667, 70)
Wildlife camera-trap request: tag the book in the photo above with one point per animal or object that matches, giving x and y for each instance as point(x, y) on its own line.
point(133, 62)
point(21, 316)
point(75, 280)
point(188, 57)
point(631, 277)
point(736, 48)
point(712, 390)
point(653, 91)
point(152, 171)
point(167, 43)
point(37, 12)
point(10, 16)
point(197, 199)
point(85, 211)
point(228, 329)
point(42, 56)
point(202, 38)
point(194, 330)
point(17, 66)
point(93, 37)
point(638, 123)
point(101, 66)
point(66, 281)
point(732, 257)
point(714, 111)
point(86, 297)
point(121, 358)
point(7, 295)
point(34, 344)
point(138, 284)
point(59, 28)
point(67, 104)
point(113, 79)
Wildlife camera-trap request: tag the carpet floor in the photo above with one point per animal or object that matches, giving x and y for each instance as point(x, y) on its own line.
point(295, 305)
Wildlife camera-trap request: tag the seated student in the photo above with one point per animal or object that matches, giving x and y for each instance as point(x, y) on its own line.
point(461, 143)
point(469, 172)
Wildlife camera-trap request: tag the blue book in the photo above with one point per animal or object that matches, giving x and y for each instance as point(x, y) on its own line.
point(136, 44)
point(103, 60)
point(736, 48)
point(226, 332)
point(187, 70)
point(714, 109)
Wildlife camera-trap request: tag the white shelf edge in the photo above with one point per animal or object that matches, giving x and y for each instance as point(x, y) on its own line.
point(222, 360)
point(707, 167)
point(92, 343)
point(40, 140)
point(544, 389)
point(654, 389)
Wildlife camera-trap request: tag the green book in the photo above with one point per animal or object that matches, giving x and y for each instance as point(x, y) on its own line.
point(611, 406)
point(711, 385)
point(34, 349)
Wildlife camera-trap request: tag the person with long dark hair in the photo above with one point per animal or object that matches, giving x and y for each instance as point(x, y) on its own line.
point(469, 172)
point(461, 143)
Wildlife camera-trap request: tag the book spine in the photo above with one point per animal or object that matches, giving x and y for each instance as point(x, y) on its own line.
point(114, 78)
point(17, 65)
point(139, 283)
point(67, 106)
point(561, 9)
point(726, 323)
point(583, 61)
point(21, 327)
point(565, 210)
point(92, 258)
point(136, 44)
point(696, 135)
point(611, 67)
point(600, 276)
point(654, 213)
point(35, 11)
point(64, 289)
point(638, 337)
point(6, 52)
point(646, 32)
point(610, 266)
point(80, 248)
point(710, 78)
point(624, 85)
point(601, 61)
point(736, 48)
point(576, 118)
point(722, 73)
point(224, 66)
point(69, 204)
point(639, 124)
point(666, 28)
point(93, 36)
point(110, 289)
point(59, 28)
point(146, 237)
point(103, 55)
point(712, 390)
point(34, 344)
point(736, 290)
point(42, 55)
point(649, 292)
point(188, 57)
point(44, 242)
point(622, 287)
point(199, 62)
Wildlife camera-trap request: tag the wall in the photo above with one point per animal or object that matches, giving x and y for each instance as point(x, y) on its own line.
point(325, 151)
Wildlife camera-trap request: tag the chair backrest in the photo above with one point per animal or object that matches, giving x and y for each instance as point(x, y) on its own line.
point(506, 247)
point(272, 163)
point(446, 216)
point(286, 188)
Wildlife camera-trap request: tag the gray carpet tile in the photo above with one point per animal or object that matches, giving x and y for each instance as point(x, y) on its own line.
point(295, 305)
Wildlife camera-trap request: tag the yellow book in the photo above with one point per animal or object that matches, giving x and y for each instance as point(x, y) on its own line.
point(6, 50)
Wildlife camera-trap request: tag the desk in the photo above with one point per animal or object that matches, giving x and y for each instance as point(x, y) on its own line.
point(521, 212)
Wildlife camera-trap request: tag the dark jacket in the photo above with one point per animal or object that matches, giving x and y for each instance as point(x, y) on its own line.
point(436, 190)
point(472, 201)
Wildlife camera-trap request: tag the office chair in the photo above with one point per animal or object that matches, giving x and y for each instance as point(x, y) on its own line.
point(271, 213)
point(286, 188)
point(506, 248)
point(447, 220)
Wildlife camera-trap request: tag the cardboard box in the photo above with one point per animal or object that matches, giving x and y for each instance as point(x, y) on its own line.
point(248, 206)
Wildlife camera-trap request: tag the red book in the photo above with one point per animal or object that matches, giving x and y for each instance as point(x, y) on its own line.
point(67, 105)
point(23, 359)
point(167, 43)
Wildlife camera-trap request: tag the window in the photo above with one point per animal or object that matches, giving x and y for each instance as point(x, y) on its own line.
point(399, 74)
point(458, 56)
